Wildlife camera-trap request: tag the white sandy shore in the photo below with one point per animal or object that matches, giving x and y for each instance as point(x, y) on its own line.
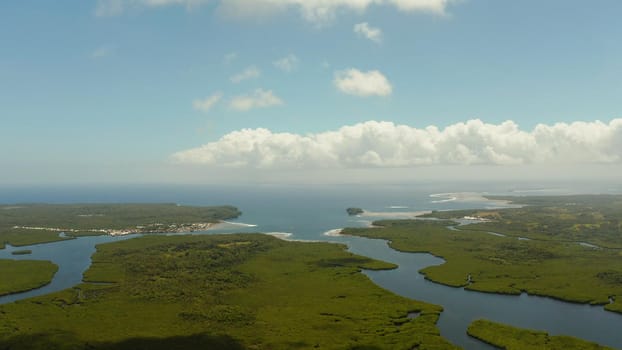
point(280, 235)
point(286, 236)
point(394, 214)
point(238, 224)
point(333, 233)
point(468, 197)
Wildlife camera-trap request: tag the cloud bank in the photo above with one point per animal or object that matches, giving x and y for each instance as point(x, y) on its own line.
point(117, 7)
point(315, 11)
point(354, 82)
point(324, 11)
point(384, 144)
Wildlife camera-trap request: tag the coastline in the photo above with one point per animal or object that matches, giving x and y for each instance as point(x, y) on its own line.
point(395, 214)
point(152, 228)
point(465, 197)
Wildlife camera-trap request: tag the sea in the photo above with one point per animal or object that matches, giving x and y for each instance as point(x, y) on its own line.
point(316, 213)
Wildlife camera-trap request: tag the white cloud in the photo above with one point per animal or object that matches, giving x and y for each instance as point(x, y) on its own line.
point(319, 12)
point(251, 72)
point(258, 99)
point(287, 63)
point(204, 105)
point(354, 82)
point(431, 6)
point(117, 7)
point(324, 11)
point(384, 144)
point(371, 33)
point(102, 51)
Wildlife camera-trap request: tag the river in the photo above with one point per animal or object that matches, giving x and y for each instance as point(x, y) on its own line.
point(307, 213)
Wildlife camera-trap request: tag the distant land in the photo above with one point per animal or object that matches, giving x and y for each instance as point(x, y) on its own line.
point(354, 211)
point(26, 224)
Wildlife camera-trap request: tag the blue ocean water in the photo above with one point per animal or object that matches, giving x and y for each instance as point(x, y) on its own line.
point(308, 212)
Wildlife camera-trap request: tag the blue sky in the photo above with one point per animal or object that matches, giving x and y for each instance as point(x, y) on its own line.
point(110, 85)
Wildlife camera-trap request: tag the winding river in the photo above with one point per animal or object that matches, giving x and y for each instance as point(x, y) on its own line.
point(308, 215)
point(461, 307)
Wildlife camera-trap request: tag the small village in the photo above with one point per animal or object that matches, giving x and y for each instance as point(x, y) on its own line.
point(151, 228)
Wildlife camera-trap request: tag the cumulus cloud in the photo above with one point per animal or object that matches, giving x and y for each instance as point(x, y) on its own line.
point(204, 105)
point(287, 63)
point(354, 82)
point(258, 99)
point(384, 144)
point(324, 11)
point(117, 7)
point(251, 72)
point(369, 32)
point(318, 12)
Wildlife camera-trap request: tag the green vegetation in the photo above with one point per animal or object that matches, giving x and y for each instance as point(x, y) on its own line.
point(354, 211)
point(511, 338)
point(595, 219)
point(245, 291)
point(41, 223)
point(22, 252)
point(487, 263)
point(20, 237)
point(23, 275)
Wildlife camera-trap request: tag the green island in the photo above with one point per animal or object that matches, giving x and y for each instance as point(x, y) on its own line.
point(512, 338)
point(24, 275)
point(27, 224)
point(354, 211)
point(553, 262)
point(239, 291)
point(22, 252)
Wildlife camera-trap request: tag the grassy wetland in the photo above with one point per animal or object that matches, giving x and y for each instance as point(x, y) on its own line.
point(594, 219)
point(244, 291)
point(540, 253)
point(27, 224)
point(23, 275)
point(512, 338)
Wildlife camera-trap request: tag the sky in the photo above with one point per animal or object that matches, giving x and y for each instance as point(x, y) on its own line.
point(211, 91)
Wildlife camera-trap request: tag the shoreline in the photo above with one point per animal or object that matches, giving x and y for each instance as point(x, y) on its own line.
point(152, 228)
point(394, 214)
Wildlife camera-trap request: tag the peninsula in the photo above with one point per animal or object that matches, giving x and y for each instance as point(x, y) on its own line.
point(28, 224)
